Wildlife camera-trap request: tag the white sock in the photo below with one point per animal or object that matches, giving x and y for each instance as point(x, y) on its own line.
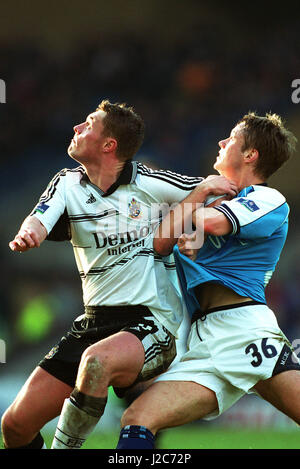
point(73, 428)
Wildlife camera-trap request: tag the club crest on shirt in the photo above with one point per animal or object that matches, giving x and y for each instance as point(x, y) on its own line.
point(134, 209)
point(52, 352)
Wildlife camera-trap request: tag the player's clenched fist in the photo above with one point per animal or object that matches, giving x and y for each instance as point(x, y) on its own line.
point(31, 234)
point(186, 243)
point(219, 185)
point(24, 240)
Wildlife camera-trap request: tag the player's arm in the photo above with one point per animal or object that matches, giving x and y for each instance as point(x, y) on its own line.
point(215, 223)
point(44, 216)
point(31, 234)
point(173, 225)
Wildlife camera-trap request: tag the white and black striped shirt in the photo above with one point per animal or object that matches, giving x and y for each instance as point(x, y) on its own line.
point(112, 235)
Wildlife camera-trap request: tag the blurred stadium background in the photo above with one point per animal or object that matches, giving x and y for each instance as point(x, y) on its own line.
point(191, 69)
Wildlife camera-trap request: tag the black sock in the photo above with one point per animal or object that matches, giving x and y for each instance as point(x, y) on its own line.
point(136, 437)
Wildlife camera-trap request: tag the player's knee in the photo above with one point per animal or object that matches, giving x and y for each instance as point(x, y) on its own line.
point(11, 426)
point(129, 417)
point(91, 370)
point(7, 422)
point(135, 416)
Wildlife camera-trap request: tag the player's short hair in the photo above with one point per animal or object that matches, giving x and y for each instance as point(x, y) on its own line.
point(274, 143)
point(125, 125)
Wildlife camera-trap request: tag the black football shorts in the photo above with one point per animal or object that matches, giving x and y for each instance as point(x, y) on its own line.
point(100, 322)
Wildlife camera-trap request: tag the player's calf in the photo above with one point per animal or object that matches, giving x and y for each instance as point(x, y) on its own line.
point(83, 409)
point(101, 364)
point(80, 415)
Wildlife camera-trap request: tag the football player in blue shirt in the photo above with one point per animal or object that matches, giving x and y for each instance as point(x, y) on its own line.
point(235, 345)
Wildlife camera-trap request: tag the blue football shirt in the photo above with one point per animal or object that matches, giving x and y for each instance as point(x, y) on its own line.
point(245, 259)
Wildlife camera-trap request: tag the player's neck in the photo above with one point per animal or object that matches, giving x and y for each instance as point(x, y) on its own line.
point(104, 172)
point(249, 181)
point(245, 179)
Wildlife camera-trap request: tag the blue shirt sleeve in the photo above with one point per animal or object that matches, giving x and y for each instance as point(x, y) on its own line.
point(258, 214)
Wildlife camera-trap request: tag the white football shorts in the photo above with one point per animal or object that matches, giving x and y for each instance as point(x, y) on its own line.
point(230, 350)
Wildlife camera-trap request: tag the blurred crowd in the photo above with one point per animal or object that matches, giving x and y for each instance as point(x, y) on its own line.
point(184, 91)
point(190, 94)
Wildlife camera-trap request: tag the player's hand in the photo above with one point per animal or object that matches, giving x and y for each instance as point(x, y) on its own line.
point(185, 245)
point(219, 185)
point(26, 239)
point(31, 234)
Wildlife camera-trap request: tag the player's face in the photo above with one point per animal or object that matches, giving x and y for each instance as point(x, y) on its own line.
point(86, 143)
point(230, 159)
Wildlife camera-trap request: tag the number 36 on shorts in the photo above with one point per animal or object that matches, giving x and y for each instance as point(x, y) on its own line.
point(260, 350)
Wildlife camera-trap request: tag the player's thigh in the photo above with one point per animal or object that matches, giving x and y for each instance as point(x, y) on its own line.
point(170, 403)
point(121, 357)
point(39, 401)
point(282, 391)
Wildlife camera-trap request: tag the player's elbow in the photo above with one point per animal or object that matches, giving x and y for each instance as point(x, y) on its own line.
point(217, 226)
point(212, 228)
point(162, 246)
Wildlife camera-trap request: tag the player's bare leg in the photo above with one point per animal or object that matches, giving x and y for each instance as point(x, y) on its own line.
point(282, 391)
point(117, 361)
point(164, 404)
point(39, 401)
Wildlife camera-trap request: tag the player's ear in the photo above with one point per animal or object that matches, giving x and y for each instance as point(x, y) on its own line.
point(109, 145)
point(251, 155)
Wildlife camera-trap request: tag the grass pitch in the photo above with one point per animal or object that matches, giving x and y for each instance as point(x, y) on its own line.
point(206, 438)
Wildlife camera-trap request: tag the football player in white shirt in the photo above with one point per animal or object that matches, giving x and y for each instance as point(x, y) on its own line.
point(132, 307)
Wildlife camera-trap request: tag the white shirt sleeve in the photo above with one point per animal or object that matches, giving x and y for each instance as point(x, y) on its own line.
point(52, 202)
point(167, 186)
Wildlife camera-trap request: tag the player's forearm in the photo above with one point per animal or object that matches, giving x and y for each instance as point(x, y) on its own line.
point(165, 239)
point(175, 223)
point(212, 222)
point(31, 234)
